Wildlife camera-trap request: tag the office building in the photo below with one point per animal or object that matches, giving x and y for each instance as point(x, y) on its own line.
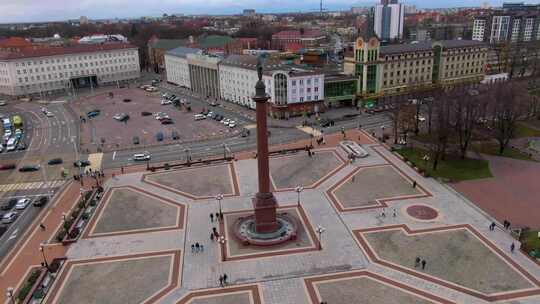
point(388, 21)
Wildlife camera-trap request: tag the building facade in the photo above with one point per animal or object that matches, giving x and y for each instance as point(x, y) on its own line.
point(302, 37)
point(59, 69)
point(388, 21)
point(177, 69)
point(203, 73)
point(401, 68)
point(512, 26)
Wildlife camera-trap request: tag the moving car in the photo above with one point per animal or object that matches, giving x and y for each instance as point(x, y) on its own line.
point(146, 113)
point(40, 201)
point(126, 100)
point(9, 204)
point(9, 217)
point(81, 163)
point(141, 156)
point(29, 168)
point(121, 117)
point(22, 203)
point(55, 161)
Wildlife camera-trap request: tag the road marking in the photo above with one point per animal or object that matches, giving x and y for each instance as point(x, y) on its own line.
point(95, 160)
point(13, 234)
point(114, 155)
point(310, 130)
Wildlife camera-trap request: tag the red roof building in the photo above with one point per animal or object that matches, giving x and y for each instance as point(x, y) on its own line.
point(306, 38)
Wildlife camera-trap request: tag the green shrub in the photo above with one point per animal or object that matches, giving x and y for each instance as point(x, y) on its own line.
point(60, 236)
point(28, 285)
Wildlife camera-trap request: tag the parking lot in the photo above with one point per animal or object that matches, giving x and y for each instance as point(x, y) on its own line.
point(106, 133)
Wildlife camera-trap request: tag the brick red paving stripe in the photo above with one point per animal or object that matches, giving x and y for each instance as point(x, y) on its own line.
point(253, 289)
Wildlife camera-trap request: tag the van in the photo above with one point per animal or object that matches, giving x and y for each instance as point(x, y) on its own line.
point(141, 156)
point(199, 117)
point(11, 144)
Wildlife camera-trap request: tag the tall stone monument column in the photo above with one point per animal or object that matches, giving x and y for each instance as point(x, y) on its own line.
point(264, 201)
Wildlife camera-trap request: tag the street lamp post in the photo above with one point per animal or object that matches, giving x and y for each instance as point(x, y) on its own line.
point(64, 221)
point(10, 295)
point(188, 155)
point(42, 249)
point(320, 231)
point(298, 190)
point(224, 151)
point(222, 241)
point(219, 197)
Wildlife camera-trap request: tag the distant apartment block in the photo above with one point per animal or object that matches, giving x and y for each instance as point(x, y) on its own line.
point(388, 21)
point(304, 38)
point(514, 23)
point(59, 69)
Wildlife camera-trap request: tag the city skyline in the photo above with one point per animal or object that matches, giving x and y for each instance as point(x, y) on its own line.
point(15, 11)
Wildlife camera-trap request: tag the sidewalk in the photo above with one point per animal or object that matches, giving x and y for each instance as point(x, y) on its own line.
point(26, 253)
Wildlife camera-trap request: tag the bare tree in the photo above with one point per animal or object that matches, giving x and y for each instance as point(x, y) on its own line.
point(466, 110)
point(508, 104)
point(441, 129)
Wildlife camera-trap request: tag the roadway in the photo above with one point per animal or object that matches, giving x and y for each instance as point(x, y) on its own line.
point(46, 138)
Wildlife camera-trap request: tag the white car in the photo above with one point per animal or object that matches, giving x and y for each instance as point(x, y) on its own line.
point(9, 217)
point(165, 102)
point(225, 121)
point(3, 103)
point(231, 125)
point(231, 122)
point(119, 116)
point(22, 203)
point(141, 156)
point(199, 117)
point(7, 134)
point(49, 114)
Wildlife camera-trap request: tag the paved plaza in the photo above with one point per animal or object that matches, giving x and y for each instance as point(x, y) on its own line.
point(302, 170)
point(126, 210)
point(197, 182)
point(366, 256)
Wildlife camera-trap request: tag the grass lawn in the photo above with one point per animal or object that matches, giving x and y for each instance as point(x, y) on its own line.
point(522, 130)
point(530, 240)
point(493, 149)
point(453, 168)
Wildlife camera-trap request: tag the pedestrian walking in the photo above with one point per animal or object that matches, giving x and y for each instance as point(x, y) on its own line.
point(221, 216)
point(42, 226)
point(394, 212)
point(352, 179)
point(211, 236)
point(508, 225)
point(417, 262)
point(202, 247)
point(221, 280)
point(512, 247)
point(197, 247)
point(217, 216)
point(211, 217)
point(492, 226)
point(192, 248)
point(383, 213)
point(225, 278)
point(122, 170)
point(424, 264)
point(414, 184)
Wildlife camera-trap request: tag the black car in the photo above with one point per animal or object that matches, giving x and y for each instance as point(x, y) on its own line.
point(81, 163)
point(167, 121)
point(9, 204)
point(126, 100)
point(175, 135)
point(40, 202)
point(146, 113)
point(55, 161)
point(93, 113)
point(136, 140)
point(124, 117)
point(29, 168)
point(159, 136)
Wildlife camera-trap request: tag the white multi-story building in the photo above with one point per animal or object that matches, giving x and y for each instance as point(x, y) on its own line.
point(388, 21)
point(499, 28)
point(479, 29)
point(177, 67)
point(292, 91)
point(57, 69)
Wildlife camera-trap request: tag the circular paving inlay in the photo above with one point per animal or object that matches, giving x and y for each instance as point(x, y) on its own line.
point(422, 212)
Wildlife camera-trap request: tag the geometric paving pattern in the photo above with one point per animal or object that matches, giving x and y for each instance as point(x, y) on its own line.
point(371, 187)
point(306, 239)
point(457, 257)
point(142, 278)
point(127, 210)
point(288, 172)
point(363, 287)
point(248, 294)
point(202, 182)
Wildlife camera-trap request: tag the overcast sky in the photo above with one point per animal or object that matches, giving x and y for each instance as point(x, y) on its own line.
point(50, 10)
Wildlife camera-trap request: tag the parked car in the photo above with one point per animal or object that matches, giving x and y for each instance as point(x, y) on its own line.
point(9, 204)
point(231, 125)
point(165, 102)
point(81, 163)
point(175, 135)
point(141, 156)
point(40, 202)
point(121, 117)
point(136, 140)
point(21, 146)
point(209, 114)
point(8, 166)
point(9, 217)
point(49, 114)
point(167, 121)
point(18, 133)
point(29, 168)
point(93, 113)
point(161, 115)
point(126, 100)
point(3, 103)
point(159, 136)
point(22, 203)
point(146, 113)
point(199, 117)
point(55, 161)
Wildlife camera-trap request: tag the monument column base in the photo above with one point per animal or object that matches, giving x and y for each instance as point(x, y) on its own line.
point(265, 205)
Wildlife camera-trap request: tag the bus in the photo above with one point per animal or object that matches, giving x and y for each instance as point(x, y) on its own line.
point(17, 121)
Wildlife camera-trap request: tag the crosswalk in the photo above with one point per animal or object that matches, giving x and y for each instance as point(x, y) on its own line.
point(30, 186)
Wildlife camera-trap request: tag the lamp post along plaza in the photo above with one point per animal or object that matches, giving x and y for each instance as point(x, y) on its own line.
point(219, 197)
point(320, 231)
point(42, 249)
point(298, 190)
